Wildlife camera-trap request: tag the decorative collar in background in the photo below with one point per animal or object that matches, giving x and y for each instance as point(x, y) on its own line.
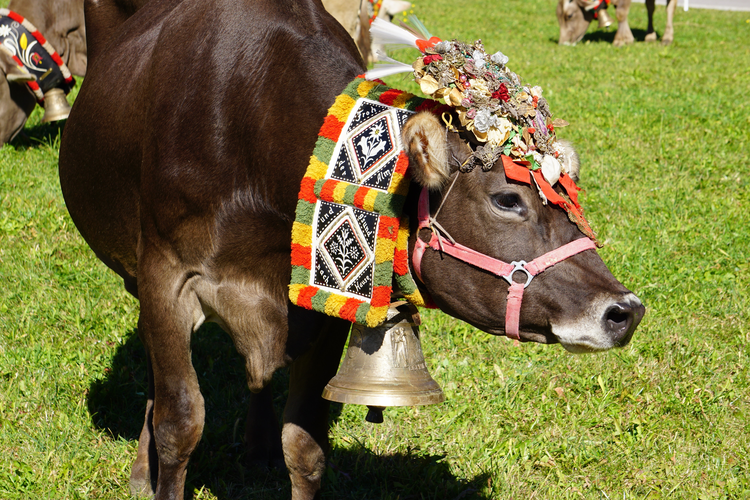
point(33, 54)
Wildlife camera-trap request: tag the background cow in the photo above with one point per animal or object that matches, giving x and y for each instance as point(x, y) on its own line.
point(186, 185)
point(62, 24)
point(574, 17)
point(355, 16)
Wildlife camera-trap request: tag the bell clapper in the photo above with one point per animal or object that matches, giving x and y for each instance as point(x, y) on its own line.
point(375, 414)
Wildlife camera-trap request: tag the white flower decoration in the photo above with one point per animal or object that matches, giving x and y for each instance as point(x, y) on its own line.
point(4, 30)
point(478, 57)
point(479, 86)
point(551, 169)
point(483, 121)
point(499, 58)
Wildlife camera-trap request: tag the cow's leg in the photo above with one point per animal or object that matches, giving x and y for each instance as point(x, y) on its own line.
point(305, 432)
point(262, 433)
point(669, 30)
point(169, 312)
point(650, 32)
point(142, 481)
point(623, 36)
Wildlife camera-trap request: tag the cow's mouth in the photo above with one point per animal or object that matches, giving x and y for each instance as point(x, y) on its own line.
point(607, 324)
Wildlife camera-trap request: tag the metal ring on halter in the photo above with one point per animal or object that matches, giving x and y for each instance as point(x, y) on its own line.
point(518, 266)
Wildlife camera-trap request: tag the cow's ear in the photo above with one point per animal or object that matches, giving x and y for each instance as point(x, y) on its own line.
point(427, 146)
point(571, 162)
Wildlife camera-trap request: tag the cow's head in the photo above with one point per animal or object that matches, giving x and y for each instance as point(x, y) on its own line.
point(577, 302)
point(574, 17)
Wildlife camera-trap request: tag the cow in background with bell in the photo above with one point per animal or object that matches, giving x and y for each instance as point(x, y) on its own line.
point(61, 24)
point(574, 17)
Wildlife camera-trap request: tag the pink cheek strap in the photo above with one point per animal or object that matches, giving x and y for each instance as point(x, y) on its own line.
point(497, 267)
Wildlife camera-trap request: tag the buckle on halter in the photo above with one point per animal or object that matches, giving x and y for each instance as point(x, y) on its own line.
point(518, 266)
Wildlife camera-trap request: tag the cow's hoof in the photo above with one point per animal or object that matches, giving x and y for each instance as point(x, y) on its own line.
point(622, 42)
point(666, 41)
point(651, 37)
point(140, 483)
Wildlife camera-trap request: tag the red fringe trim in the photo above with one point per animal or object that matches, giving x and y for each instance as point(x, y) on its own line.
point(307, 190)
point(331, 128)
point(349, 310)
point(301, 256)
point(381, 296)
point(388, 228)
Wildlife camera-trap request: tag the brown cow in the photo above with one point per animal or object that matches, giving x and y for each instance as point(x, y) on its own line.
point(574, 17)
point(186, 185)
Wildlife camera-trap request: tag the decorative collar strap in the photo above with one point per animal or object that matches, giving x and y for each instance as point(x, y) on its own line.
point(497, 267)
point(33, 54)
point(350, 236)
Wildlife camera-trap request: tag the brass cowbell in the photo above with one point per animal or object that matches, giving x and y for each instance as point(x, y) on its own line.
point(384, 366)
point(604, 20)
point(56, 106)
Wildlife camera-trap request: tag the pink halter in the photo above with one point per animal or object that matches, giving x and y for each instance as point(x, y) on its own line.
point(496, 267)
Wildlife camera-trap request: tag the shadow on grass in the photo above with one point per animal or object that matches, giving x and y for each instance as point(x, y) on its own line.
point(117, 402)
point(608, 37)
point(41, 135)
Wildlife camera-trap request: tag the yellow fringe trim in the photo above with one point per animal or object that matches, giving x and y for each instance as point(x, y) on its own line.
point(339, 191)
point(301, 233)
point(415, 298)
point(365, 87)
point(384, 250)
point(376, 315)
point(342, 107)
point(400, 101)
point(316, 169)
point(334, 303)
point(369, 202)
point(294, 291)
point(398, 186)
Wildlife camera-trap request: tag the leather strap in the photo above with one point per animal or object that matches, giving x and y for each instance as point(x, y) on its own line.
point(497, 267)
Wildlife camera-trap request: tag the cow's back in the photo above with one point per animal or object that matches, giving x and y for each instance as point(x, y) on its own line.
point(217, 109)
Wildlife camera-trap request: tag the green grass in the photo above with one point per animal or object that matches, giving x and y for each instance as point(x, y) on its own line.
point(663, 135)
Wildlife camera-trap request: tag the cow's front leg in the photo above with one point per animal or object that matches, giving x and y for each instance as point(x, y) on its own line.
point(142, 481)
point(623, 36)
point(650, 31)
point(174, 421)
point(305, 433)
point(262, 434)
point(669, 30)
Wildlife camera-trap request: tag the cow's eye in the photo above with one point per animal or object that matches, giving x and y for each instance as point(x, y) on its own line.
point(509, 201)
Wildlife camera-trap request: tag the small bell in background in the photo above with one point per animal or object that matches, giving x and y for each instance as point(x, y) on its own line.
point(384, 366)
point(56, 106)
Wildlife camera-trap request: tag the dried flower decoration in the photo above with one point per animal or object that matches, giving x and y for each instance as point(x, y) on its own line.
point(507, 119)
point(504, 115)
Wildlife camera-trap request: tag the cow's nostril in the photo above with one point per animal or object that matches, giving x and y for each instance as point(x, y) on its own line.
point(618, 318)
point(621, 319)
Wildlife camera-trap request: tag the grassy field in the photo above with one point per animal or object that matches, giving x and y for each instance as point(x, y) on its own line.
point(663, 133)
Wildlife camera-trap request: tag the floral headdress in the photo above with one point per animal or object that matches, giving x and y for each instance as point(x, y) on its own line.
point(500, 114)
